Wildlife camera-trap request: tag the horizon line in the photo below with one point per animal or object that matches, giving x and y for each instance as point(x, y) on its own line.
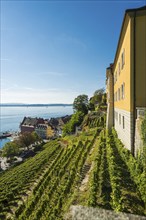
point(36, 104)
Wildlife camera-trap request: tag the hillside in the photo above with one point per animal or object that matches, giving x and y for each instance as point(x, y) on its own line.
point(89, 169)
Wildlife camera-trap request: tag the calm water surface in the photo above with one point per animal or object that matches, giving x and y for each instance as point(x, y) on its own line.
point(11, 117)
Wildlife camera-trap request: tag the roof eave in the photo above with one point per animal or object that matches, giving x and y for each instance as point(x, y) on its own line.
point(129, 13)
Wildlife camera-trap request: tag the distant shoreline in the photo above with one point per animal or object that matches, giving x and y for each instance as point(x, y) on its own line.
point(35, 105)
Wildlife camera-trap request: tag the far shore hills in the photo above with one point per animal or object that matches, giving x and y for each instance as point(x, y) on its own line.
point(33, 105)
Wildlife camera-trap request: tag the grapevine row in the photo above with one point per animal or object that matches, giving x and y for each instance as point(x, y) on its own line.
point(19, 179)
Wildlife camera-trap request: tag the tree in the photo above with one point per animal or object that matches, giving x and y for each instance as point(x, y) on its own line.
point(98, 95)
point(26, 139)
point(91, 105)
point(99, 91)
point(81, 104)
point(10, 149)
point(36, 137)
point(104, 99)
point(99, 98)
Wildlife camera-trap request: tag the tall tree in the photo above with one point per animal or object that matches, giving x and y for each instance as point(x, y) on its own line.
point(26, 139)
point(98, 96)
point(81, 103)
point(99, 91)
point(98, 99)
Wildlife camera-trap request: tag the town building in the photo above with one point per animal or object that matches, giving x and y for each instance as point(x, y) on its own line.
point(45, 131)
point(29, 124)
point(126, 78)
point(44, 128)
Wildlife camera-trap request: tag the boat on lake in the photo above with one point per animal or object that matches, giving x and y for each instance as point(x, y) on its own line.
point(5, 135)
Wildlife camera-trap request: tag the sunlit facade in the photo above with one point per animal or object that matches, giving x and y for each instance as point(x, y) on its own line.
point(126, 77)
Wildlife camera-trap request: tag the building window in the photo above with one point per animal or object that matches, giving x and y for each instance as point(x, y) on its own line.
point(119, 118)
point(123, 91)
point(123, 59)
point(123, 122)
point(119, 67)
point(115, 77)
point(118, 94)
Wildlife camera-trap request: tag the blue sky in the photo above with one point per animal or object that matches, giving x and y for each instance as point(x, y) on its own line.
point(53, 51)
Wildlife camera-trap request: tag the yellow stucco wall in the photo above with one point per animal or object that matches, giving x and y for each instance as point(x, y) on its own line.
point(124, 76)
point(141, 61)
point(50, 132)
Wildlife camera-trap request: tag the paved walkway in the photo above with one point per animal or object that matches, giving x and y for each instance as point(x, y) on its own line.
point(86, 213)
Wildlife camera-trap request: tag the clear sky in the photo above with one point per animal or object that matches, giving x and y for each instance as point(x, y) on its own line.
point(53, 51)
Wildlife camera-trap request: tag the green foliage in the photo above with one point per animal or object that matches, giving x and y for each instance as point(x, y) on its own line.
point(99, 98)
point(10, 149)
point(54, 190)
point(99, 92)
point(91, 105)
point(94, 119)
point(111, 185)
point(137, 172)
point(114, 177)
point(75, 120)
point(141, 156)
point(27, 138)
point(81, 104)
point(16, 181)
point(35, 137)
point(104, 99)
point(55, 174)
point(143, 129)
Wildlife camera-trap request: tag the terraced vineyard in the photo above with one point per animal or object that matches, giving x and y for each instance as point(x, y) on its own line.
point(115, 182)
point(46, 185)
point(43, 185)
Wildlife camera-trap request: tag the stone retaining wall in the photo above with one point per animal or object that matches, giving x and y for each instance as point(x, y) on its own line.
point(89, 213)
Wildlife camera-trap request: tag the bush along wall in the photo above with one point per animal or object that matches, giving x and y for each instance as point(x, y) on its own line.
point(136, 168)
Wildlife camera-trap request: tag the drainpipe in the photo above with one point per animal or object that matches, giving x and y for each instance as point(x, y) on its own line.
point(134, 84)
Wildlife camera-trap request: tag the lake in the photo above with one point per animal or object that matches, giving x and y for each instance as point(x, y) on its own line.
point(11, 117)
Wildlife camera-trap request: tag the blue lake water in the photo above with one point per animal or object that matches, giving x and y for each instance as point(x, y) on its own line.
point(11, 117)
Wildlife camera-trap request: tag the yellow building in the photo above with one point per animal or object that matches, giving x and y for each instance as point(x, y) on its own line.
point(126, 77)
